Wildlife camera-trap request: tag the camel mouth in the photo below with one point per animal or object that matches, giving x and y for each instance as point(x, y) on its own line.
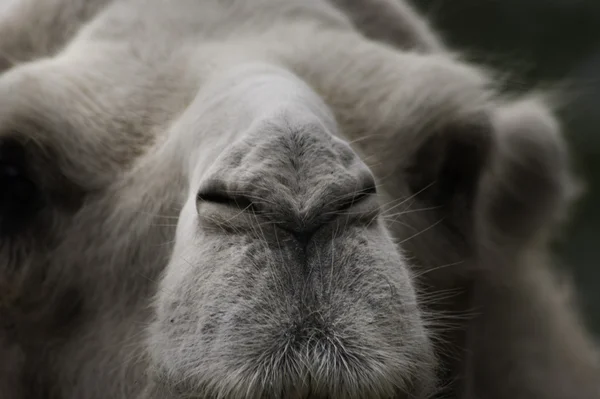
point(270, 330)
point(317, 367)
point(310, 359)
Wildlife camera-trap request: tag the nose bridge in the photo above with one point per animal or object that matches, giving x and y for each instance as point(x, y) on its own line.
point(325, 197)
point(296, 172)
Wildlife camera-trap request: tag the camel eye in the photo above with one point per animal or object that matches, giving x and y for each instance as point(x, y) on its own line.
point(19, 196)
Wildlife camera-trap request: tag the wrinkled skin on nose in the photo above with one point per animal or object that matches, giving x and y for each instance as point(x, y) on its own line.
point(300, 179)
point(284, 280)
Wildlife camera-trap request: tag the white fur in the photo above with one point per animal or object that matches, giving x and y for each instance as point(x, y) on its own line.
point(127, 109)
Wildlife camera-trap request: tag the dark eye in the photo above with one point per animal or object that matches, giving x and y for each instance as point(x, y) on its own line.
point(19, 196)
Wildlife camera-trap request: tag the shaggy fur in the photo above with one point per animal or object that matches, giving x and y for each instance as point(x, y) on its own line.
point(273, 198)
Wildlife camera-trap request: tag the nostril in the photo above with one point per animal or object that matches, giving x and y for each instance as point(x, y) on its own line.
point(357, 197)
point(370, 188)
point(214, 195)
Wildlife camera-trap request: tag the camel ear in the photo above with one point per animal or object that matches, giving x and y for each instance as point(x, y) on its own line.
point(499, 177)
point(527, 186)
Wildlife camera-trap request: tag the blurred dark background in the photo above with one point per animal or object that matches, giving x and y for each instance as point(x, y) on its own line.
point(543, 43)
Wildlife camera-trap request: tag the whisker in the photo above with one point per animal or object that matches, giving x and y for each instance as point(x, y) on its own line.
point(422, 231)
point(433, 269)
